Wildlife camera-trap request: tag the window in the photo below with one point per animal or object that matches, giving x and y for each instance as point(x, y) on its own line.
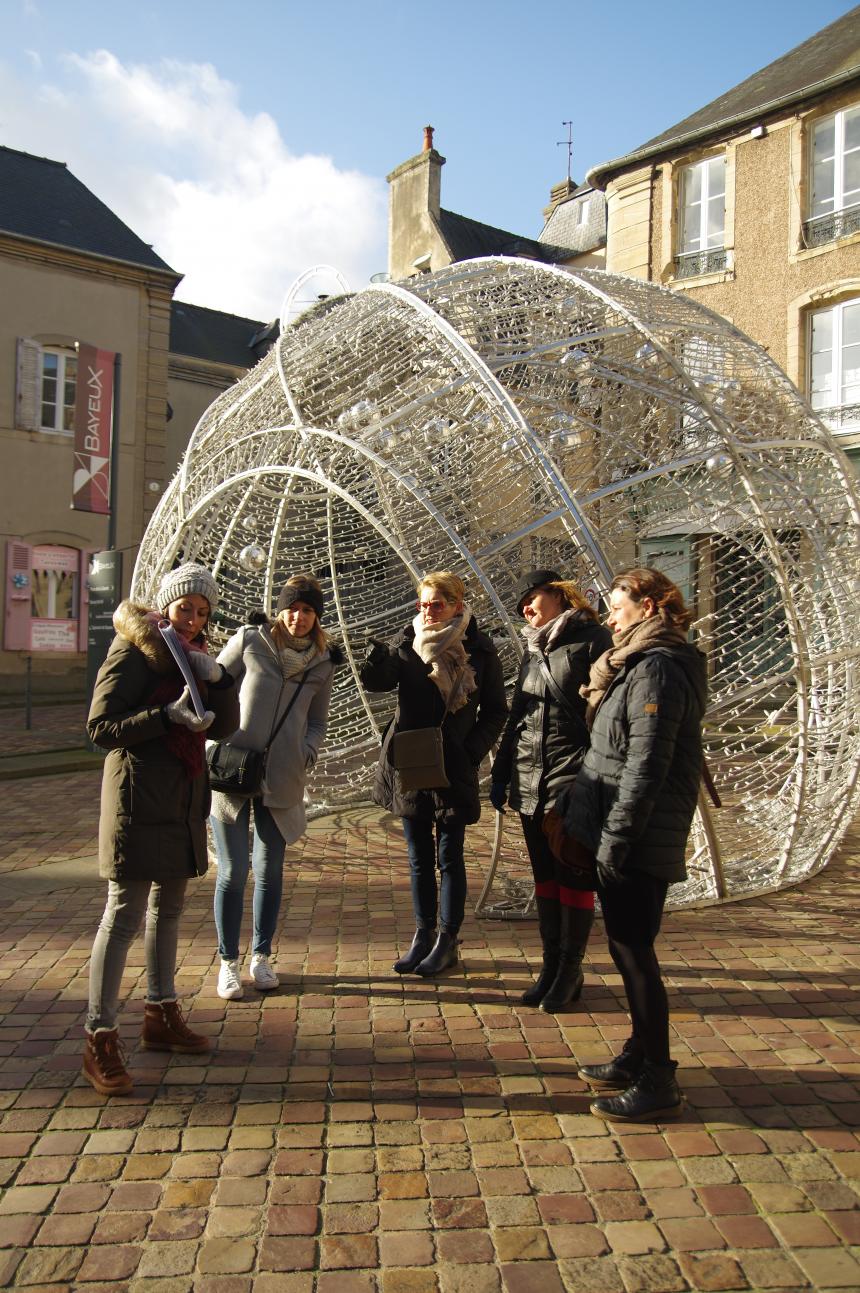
point(834, 364)
point(59, 379)
point(834, 182)
point(582, 212)
point(702, 218)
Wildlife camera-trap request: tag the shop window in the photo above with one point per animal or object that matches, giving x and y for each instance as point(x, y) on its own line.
point(46, 597)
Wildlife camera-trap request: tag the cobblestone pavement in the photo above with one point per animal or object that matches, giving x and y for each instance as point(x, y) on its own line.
point(53, 727)
point(359, 1133)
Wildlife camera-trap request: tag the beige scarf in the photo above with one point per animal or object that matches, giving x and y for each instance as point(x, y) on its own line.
point(643, 636)
point(297, 655)
point(441, 646)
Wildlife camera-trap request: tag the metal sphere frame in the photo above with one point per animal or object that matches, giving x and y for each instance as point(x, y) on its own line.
point(501, 415)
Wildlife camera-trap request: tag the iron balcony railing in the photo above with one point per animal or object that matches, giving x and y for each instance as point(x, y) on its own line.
point(827, 228)
point(840, 417)
point(690, 264)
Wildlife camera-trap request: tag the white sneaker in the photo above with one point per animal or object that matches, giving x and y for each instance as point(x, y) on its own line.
point(230, 981)
point(262, 973)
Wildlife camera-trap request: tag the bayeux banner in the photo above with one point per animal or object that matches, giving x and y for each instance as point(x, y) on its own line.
point(93, 410)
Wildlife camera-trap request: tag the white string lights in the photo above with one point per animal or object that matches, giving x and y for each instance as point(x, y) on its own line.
point(501, 415)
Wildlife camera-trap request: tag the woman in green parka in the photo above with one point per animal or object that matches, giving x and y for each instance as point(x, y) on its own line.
point(154, 804)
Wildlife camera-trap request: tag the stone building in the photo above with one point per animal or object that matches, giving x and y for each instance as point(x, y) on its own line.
point(752, 206)
point(72, 274)
point(424, 236)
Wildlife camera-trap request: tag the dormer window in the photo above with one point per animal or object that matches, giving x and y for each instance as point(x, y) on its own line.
point(701, 218)
point(834, 183)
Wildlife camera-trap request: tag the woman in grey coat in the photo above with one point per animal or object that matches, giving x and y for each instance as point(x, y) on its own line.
point(287, 664)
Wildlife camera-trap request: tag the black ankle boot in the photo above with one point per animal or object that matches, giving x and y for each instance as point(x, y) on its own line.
point(442, 957)
point(549, 919)
point(654, 1097)
point(566, 988)
point(421, 945)
point(619, 1073)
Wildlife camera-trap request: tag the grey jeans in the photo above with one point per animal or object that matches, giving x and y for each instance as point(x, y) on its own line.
point(127, 902)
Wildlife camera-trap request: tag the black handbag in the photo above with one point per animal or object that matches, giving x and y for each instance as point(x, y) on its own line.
point(418, 754)
point(238, 772)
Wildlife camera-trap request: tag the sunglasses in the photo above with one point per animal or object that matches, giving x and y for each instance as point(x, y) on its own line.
point(436, 605)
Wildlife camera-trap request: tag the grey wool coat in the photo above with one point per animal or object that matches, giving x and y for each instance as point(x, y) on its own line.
point(153, 815)
point(252, 658)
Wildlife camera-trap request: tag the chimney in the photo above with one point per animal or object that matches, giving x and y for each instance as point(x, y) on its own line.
point(428, 139)
point(558, 194)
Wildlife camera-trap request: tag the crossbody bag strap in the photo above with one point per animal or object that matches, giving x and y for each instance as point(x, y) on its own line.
point(553, 687)
point(283, 717)
point(451, 694)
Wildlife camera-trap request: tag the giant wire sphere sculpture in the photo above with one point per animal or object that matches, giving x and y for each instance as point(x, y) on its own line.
point(501, 415)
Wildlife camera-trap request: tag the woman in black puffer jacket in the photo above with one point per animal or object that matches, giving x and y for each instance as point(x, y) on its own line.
point(442, 658)
point(632, 805)
point(539, 755)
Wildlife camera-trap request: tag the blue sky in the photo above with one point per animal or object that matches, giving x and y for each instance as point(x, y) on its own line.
point(247, 149)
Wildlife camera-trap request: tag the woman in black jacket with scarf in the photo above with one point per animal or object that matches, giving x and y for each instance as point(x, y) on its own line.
point(539, 755)
point(632, 806)
point(441, 659)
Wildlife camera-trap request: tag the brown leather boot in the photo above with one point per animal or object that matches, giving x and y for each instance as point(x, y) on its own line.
point(104, 1066)
point(164, 1029)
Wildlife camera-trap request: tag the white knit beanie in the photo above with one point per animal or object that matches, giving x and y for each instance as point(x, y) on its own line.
point(186, 579)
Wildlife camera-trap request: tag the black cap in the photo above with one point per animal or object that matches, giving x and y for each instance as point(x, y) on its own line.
point(530, 582)
point(301, 591)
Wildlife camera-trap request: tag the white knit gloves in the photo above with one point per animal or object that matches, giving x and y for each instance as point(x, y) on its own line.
point(181, 712)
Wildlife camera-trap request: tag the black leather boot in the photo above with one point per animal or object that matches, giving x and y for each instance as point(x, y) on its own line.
point(619, 1073)
point(549, 920)
point(442, 956)
point(654, 1097)
point(421, 945)
point(566, 988)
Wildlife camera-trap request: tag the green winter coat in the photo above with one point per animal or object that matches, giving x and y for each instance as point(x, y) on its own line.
point(153, 816)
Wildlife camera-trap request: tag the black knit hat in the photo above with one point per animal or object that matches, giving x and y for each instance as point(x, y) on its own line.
point(530, 582)
point(302, 590)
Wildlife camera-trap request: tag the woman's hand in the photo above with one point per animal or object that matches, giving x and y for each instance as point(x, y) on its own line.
point(498, 796)
point(181, 712)
point(206, 667)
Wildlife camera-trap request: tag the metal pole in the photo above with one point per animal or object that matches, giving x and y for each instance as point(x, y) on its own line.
point(114, 452)
point(28, 694)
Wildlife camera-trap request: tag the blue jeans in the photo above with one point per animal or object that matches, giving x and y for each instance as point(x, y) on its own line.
point(234, 861)
point(127, 902)
point(424, 853)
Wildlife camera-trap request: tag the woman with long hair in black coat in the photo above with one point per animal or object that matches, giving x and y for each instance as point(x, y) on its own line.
point(446, 671)
point(539, 755)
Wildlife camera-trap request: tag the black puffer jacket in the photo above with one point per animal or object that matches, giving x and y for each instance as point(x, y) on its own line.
point(467, 734)
point(633, 801)
point(543, 744)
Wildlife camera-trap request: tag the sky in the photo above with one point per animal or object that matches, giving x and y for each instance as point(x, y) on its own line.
point(247, 144)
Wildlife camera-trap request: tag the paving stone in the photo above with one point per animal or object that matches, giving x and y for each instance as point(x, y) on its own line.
point(279, 1253)
point(340, 1252)
point(469, 1279)
point(711, 1271)
point(226, 1256)
point(110, 1262)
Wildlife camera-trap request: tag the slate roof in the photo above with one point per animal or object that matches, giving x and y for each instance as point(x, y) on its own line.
point(824, 61)
point(563, 227)
point(468, 238)
point(42, 199)
point(220, 338)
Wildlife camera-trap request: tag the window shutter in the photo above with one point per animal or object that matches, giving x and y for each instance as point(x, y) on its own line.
point(18, 594)
point(27, 388)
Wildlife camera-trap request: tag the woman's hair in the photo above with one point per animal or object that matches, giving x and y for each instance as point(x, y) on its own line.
point(572, 597)
point(281, 634)
point(645, 581)
point(445, 582)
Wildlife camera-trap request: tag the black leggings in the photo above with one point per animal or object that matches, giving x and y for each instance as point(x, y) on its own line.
point(632, 910)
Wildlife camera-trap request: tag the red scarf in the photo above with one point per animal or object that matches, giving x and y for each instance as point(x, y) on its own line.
point(188, 746)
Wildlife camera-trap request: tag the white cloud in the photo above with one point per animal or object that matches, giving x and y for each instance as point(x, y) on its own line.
point(218, 192)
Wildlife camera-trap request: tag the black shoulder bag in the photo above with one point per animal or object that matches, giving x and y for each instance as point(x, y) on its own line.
point(238, 772)
point(418, 753)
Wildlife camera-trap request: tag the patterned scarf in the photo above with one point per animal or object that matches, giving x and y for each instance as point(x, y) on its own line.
point(441, 646)
point(540, 640)
point(643, 636)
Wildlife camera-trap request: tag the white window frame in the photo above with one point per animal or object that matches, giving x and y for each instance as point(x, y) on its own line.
point(703, 240)
point(836, 414)
point(582, 213)
point(837, 200)
point(62, 356)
